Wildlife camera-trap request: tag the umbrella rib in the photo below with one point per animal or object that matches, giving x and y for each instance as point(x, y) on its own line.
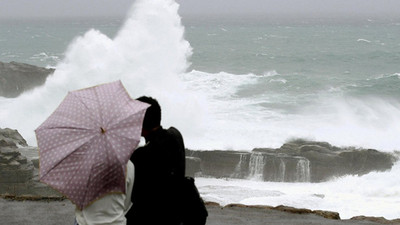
point(122, 121)
point(91, 116)
point(126, 103)
point(130, 139)
point(55, 165)
point(108, 171)
point(99, 106)
point(63, 128)
point(117, 107)
point(104, 193)
point(114, 151)
point(80, 166)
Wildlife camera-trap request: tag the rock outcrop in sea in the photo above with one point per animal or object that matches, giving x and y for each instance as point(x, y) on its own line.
point(16, 78)
point(295, 161)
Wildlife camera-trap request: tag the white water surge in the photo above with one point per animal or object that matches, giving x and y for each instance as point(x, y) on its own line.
point(375, 194)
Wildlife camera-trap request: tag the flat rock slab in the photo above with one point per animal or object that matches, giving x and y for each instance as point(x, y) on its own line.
point(62, 213)
point(36, 212)
point(264, 216)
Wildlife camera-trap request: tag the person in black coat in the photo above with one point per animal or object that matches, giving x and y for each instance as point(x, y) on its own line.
point(159, 166)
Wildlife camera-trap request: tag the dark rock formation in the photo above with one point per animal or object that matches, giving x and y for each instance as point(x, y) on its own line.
point(325, 214)
point(18, 175)
point(10, 137)
point(328, 161)
point(16, 78)
point(380, 220)
point(15, 169)
point(295, 161)
point(253, 165)
point(217, 163)
point(192, 166)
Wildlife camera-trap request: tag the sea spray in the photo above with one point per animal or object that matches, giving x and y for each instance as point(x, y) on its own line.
point(148, 54)
point(303, 170)
point(256, 166)
point(251, 112)
point(281, 171)
point(374, 194)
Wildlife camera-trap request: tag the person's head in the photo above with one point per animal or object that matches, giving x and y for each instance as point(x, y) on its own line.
point(152, 118)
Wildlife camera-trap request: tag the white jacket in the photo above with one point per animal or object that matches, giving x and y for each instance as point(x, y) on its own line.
point(111, 208)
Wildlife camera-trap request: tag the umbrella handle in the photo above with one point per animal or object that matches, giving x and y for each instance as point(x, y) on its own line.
point(102, 130)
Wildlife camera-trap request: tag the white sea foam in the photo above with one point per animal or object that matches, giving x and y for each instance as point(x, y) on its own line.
point(374, 194)
point(271, 73)
point(43, 56)
point(278, 80)
point(240, 122)
point(364, 40)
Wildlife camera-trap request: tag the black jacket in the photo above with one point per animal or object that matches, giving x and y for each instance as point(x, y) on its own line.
point(159, 165)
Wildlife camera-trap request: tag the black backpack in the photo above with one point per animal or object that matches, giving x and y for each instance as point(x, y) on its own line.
point(193, 211)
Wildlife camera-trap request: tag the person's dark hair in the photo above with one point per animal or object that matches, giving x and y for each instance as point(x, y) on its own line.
point(152, 118)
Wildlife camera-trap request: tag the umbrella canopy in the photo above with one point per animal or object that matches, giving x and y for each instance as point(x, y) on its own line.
point(85, 145)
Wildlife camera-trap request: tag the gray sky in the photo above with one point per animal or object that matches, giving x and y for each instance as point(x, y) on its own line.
point(91, 8)
point(293, 7)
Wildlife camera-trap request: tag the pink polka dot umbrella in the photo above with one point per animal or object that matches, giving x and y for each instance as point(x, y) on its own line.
point(85, 144)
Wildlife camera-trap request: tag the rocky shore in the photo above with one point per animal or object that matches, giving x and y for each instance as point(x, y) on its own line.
point(19, 175)
point(61, 212)
point(295, 161)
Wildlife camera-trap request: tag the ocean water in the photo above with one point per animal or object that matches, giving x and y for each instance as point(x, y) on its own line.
point(233, 83)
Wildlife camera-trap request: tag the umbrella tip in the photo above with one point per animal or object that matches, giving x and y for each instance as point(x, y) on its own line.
point(102, 130)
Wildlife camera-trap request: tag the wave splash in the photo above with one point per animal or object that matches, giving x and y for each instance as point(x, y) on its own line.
point(251, 111)
point(148, 54)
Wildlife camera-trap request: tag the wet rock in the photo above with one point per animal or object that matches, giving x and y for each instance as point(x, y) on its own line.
point(11, 138)
point(16, 78)
point(288, 209)
point(216, 163)
point(35, 163)
point(293, 210)
point(363, 161)
point(295, 161)
point(18, 175)
point(327, 214)
point(192, 166)
point(380, 220)
point(14, 168)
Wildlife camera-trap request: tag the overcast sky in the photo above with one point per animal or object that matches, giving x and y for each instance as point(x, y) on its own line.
point(92, 8)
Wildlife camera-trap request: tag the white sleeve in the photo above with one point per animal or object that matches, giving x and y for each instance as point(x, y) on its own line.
point(109, 209)
point(130, 178)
